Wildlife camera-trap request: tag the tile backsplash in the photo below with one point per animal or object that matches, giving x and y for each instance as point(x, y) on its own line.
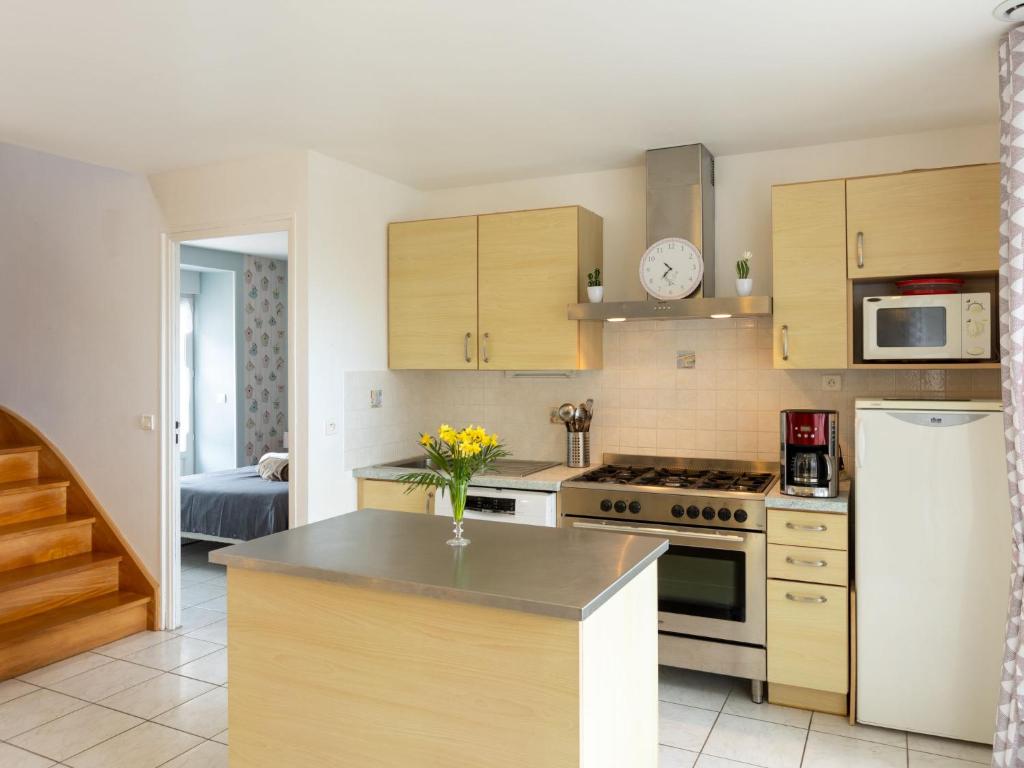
point(726, 406)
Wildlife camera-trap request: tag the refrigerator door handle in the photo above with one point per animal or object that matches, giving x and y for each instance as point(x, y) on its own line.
point(938, 419)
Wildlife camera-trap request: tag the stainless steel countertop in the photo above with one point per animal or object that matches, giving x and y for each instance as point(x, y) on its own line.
point(562, 572)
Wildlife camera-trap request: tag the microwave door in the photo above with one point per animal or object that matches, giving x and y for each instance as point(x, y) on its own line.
point(912, 328)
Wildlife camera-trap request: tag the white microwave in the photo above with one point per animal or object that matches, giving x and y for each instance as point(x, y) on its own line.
point(949, 326)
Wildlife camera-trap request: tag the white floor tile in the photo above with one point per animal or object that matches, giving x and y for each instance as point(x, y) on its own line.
point(173, 653)
point(695, 689)
point(195, 576)
point(62, 670)
point(217, 604)
point(156, 696)
point(129, 645)
point(105, 681)
point(12, 689)
point(684, 727)
point(825, 750)
point(670, 757)
point(12, 757)
point(739, 703)
point(757, 742)
point(964, 750)
point(212, 633)
point(145, 746)
point(218, 580)
point(840, 726)
point(210, 669)
point(209, 754)
point(710, 761)
point(193, 594)
point(34, 709)
point(926, 760)
point(194, 618)
point(76, 732)
point(204, 715)
point(222, 737)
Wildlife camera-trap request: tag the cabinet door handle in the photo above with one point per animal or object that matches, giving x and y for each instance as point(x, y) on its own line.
point(484, 352)
point(465, 347)
point(806, 598)
point(785, 342)
point(860, 250)
point(806, 563)
point(811, 528)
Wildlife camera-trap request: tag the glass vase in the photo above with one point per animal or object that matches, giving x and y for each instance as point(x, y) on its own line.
point(458, 490)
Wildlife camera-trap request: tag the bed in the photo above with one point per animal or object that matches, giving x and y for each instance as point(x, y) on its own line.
point(232, 505)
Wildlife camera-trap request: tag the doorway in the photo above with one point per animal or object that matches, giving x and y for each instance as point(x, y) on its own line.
point(227, 377)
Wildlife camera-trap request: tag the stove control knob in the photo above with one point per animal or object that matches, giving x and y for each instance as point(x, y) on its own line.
point(606, 505)
point(692, 512)
point(724, 514)
point(620, 506)
point(678, 511)
point(741, 515)
point(634, 507)
point(708, 513)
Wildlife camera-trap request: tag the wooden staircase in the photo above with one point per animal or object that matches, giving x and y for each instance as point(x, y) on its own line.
point(68, 581)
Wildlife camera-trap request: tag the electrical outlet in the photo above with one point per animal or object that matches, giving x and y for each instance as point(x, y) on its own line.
point(555, 419)
point(832, 382)
point(330, 427)
point(686, 359)
point(147, 422)
point(376, 398)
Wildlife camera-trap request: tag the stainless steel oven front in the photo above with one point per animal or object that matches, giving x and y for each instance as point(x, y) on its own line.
point(711, 583)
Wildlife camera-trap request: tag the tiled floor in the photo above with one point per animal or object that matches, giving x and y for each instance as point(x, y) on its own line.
point(152, 699)
point(159, 699)
point(709, 721)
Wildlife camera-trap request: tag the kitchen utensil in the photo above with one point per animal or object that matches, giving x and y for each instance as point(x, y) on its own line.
point(577, 419)
point(566, 413)
point(590, 414)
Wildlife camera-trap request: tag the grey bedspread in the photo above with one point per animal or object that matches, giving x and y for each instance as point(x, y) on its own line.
point(234, 504)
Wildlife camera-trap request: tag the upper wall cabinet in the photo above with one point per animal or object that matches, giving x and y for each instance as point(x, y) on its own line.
point(809, 275)
point(491, 291)
point(432, 293)
point(923, 222)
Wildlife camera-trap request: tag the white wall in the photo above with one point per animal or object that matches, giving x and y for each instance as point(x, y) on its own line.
point(79, 294)
point(216, 339)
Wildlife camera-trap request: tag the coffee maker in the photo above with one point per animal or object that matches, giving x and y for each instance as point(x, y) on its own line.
point(810, 462)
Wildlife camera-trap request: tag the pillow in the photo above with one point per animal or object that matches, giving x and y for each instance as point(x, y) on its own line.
point(273, 466)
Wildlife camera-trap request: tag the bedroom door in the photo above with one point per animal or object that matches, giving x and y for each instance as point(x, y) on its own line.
point(186, 388)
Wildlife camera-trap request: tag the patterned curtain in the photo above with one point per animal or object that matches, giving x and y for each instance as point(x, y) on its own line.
point(1008, 743)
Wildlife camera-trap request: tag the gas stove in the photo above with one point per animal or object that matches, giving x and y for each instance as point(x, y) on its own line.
point(716, 493)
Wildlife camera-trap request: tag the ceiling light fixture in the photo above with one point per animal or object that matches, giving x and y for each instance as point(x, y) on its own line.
point(721, 316)
point(1010, 11)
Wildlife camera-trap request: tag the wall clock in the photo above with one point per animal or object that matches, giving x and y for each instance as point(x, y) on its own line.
point(671, 268)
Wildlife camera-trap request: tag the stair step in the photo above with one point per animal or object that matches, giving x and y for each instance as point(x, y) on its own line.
point(54, 583)
point(19, 463)
point(49, 538)
point(44, 638)
point(32, 499)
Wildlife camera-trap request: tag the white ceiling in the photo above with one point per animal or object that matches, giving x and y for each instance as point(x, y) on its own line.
point(465, 91)
point(271, 244)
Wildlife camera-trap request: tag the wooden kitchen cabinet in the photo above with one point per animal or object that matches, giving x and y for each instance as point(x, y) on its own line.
point(491, 292)
point(943, 221)
point(387, 494)
point(809, 320)
point(432, 284)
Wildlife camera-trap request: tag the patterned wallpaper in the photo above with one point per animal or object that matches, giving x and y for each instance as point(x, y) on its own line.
point(266, 356)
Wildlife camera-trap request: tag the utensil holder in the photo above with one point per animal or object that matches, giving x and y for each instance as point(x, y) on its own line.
point(577, 449)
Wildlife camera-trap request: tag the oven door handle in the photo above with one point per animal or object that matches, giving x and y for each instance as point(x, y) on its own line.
point(660, 532)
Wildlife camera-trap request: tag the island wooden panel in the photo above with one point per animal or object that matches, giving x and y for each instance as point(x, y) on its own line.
point(388, 494)
point(323, 674)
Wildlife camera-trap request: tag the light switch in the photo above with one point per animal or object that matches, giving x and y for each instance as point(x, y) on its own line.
point(330, 427)
point(376, 398)
point(147, 422)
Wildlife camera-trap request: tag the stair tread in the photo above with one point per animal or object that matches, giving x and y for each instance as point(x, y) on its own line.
point(19, 449)
point(30, 574)
point(19, 630)
point(35, 484)
point(44, 523)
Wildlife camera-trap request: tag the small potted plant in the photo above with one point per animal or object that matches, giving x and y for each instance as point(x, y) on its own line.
point(595, 291)
point(744, 283)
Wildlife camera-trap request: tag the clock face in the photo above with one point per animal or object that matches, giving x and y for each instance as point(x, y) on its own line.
point(672, 268)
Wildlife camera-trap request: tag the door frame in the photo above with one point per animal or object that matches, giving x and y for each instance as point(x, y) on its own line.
point(170, 470)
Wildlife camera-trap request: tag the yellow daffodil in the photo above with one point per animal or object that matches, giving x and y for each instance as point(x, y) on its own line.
point(468, 448)
point(424, 439)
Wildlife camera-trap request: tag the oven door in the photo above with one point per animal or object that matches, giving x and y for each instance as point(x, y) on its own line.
point(912, 327)
point(710, 583)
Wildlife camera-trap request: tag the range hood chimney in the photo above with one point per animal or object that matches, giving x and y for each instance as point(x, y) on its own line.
point(680, 203)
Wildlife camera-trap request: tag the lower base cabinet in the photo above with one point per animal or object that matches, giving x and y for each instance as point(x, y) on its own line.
point(387, 494)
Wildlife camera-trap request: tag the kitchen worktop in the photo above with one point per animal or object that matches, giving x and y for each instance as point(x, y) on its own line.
point(840, 505)
point(561, 572)
point(549, 479)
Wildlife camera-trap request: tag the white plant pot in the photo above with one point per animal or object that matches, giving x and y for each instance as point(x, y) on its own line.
point(744, 285)
point(595, 293)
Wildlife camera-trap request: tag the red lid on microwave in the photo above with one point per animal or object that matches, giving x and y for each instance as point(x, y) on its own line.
point(927, 286)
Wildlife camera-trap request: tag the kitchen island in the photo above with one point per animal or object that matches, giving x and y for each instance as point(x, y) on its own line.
point(365, 640)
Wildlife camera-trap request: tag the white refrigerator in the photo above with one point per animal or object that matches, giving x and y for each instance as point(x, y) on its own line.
point(932, 565)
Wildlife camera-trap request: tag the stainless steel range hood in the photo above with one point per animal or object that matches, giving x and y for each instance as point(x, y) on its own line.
point(680, 203)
